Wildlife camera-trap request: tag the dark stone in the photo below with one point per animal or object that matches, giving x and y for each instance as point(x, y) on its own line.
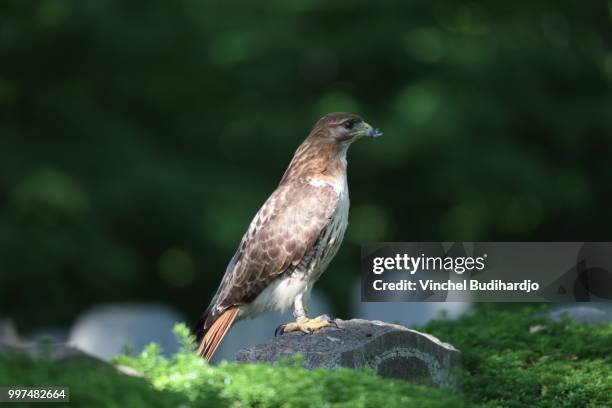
point(393, 351)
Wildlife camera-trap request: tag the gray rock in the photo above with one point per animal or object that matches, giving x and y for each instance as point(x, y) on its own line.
point(11, 343)
point(592, 313)
point(62, 352)
point(105, 331)
point(8, 332)
point(393, 351)
point(49, 351)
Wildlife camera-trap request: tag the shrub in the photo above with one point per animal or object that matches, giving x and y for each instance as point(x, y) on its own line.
point(506, 363)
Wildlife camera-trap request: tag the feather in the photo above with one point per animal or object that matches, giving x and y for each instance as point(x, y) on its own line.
point(282, 232)
point(214, 335)
point(300, 226)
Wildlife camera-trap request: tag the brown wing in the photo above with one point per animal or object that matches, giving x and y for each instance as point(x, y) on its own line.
point(283, 230)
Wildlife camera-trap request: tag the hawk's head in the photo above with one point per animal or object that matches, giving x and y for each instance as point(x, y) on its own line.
point(343, 127)
point(323, 153)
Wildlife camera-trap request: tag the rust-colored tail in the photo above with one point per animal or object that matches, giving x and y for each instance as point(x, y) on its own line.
point(214, 335)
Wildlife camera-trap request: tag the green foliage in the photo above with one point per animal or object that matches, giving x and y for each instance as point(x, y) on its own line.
point(91, 384)
point(284, 385)
point(186, 380)
point(560, 364)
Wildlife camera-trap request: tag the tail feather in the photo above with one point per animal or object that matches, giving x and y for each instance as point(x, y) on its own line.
point(214, 335)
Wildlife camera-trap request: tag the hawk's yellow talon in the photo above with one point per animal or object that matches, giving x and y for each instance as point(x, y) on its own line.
point(306, 325)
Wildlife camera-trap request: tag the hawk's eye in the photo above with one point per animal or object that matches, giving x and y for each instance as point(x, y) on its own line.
point(349, 124)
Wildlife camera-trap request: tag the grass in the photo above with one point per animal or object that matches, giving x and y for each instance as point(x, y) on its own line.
point(505, 365)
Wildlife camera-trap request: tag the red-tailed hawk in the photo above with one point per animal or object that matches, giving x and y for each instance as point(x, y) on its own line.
point(292, 238)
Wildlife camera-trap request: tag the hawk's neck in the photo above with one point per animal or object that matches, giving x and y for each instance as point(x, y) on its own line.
point(317, 160)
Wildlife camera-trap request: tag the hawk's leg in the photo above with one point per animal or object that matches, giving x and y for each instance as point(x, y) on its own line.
point(302, 322)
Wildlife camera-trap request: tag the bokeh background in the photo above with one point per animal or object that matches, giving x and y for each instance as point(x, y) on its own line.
point(138, 138)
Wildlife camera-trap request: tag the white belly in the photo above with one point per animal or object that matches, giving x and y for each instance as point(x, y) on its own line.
point(277, 297)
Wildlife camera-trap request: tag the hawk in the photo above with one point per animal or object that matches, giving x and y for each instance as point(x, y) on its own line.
point(292, 238)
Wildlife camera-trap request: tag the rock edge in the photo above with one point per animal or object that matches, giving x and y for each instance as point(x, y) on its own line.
point(391, 350)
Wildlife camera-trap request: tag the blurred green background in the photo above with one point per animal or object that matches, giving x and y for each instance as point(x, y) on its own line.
point(138, 138)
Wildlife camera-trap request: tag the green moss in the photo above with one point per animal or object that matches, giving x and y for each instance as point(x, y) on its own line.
point(91, 384)
point(561, 365)
point(186, 380)
point(285, 385)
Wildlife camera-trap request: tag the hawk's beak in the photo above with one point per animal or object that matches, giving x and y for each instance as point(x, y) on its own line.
point(369, 131)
